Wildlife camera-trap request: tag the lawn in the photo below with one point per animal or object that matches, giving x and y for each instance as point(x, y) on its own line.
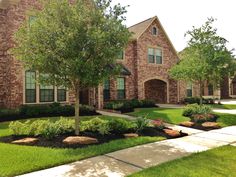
point(173, 116)
point(218, 162)
point(16, 160)
point(226, 120)
point(224, 106)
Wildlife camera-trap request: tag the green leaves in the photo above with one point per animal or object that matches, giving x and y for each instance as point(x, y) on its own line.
point(206, 57)
point(73, 42)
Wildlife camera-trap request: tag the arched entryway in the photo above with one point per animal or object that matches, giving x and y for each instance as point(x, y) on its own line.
point(156, 90)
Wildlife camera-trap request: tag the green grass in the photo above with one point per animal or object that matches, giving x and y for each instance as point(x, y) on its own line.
point(226, 120)
point(16, 160)
point(217, 162)
point(224, 106)
point(173, 116)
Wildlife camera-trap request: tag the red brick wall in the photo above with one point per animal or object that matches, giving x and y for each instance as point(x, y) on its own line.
point(11, 93)
point(148, 71)
point(3, 49)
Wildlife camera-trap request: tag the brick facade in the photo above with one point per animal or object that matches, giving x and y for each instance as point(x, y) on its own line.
point(146, 80)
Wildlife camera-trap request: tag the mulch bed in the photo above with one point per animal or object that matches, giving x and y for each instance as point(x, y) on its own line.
point(200, 127)
point(58, 142)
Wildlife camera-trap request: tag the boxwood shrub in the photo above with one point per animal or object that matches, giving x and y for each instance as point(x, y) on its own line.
point(125, 106)
point(49, 110)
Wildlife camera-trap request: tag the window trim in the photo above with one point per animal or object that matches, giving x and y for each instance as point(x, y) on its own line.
point(162, 52)
point(123, 56)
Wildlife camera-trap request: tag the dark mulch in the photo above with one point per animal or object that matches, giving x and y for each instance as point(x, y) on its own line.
point(200, 127)
point(58, 142)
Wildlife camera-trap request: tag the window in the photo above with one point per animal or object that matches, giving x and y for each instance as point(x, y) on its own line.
point(158, 56)
point(189, 90)
point(151, 55)
point(30, 87)
point(61, 94)
point(120, 55)
point(106, 90)
point(120, 88)
point(210, 90)
point(154, 31)
point(46, 94)
point(154, 56)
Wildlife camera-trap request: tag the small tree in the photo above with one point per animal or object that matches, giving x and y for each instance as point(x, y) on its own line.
point(206, 58)
point(73, 43)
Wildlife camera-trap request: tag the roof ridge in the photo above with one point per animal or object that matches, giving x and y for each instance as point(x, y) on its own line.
point(142, 21)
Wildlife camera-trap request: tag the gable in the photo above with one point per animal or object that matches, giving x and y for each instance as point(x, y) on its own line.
point(139, 29)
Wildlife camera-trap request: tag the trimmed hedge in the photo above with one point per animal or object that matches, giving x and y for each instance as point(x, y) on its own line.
point(125, 106)
point(50, 110)
point(196, 100)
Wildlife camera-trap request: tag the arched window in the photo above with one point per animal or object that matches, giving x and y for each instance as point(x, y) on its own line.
point(154, 31)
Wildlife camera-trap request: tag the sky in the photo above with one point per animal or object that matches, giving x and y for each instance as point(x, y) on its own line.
point(179, 16)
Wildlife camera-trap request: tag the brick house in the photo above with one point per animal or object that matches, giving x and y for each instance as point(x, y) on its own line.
point(145, 64)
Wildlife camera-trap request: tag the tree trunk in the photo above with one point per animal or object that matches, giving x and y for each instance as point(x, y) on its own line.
point(201, 100)
point(77, 118)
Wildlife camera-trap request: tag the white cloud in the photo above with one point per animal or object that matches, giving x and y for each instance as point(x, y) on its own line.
point(179, 16)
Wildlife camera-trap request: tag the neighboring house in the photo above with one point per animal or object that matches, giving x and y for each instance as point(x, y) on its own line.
point(145, 65)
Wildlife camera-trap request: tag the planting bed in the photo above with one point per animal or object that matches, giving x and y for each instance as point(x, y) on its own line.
point(58, 141)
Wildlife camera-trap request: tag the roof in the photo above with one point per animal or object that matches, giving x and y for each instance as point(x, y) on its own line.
point(139, 28)
point(123, 70)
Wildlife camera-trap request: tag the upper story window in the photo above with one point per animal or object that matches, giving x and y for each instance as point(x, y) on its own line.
point(154, 31)
point(120, 55)
point(155, 56)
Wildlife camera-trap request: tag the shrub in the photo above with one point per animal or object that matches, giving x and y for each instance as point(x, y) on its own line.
point(18, 128)
point(125, 106)
point(201, 118)
point(55, 109)
point(192, 109)
point(9, 114)
point(45, 128)
point(51, 131)
point(196, 100)
point(120, 126)
point(96, 125)
point(141, 123)
point(159, 124)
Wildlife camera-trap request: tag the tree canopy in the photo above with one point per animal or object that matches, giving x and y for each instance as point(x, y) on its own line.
point(206, 57)
point(73, 43)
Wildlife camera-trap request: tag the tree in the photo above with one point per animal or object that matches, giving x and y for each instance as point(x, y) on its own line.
point(206, 58)
point(73, 43)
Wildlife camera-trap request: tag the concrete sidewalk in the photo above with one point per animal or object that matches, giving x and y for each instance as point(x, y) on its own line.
point(131, 160)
